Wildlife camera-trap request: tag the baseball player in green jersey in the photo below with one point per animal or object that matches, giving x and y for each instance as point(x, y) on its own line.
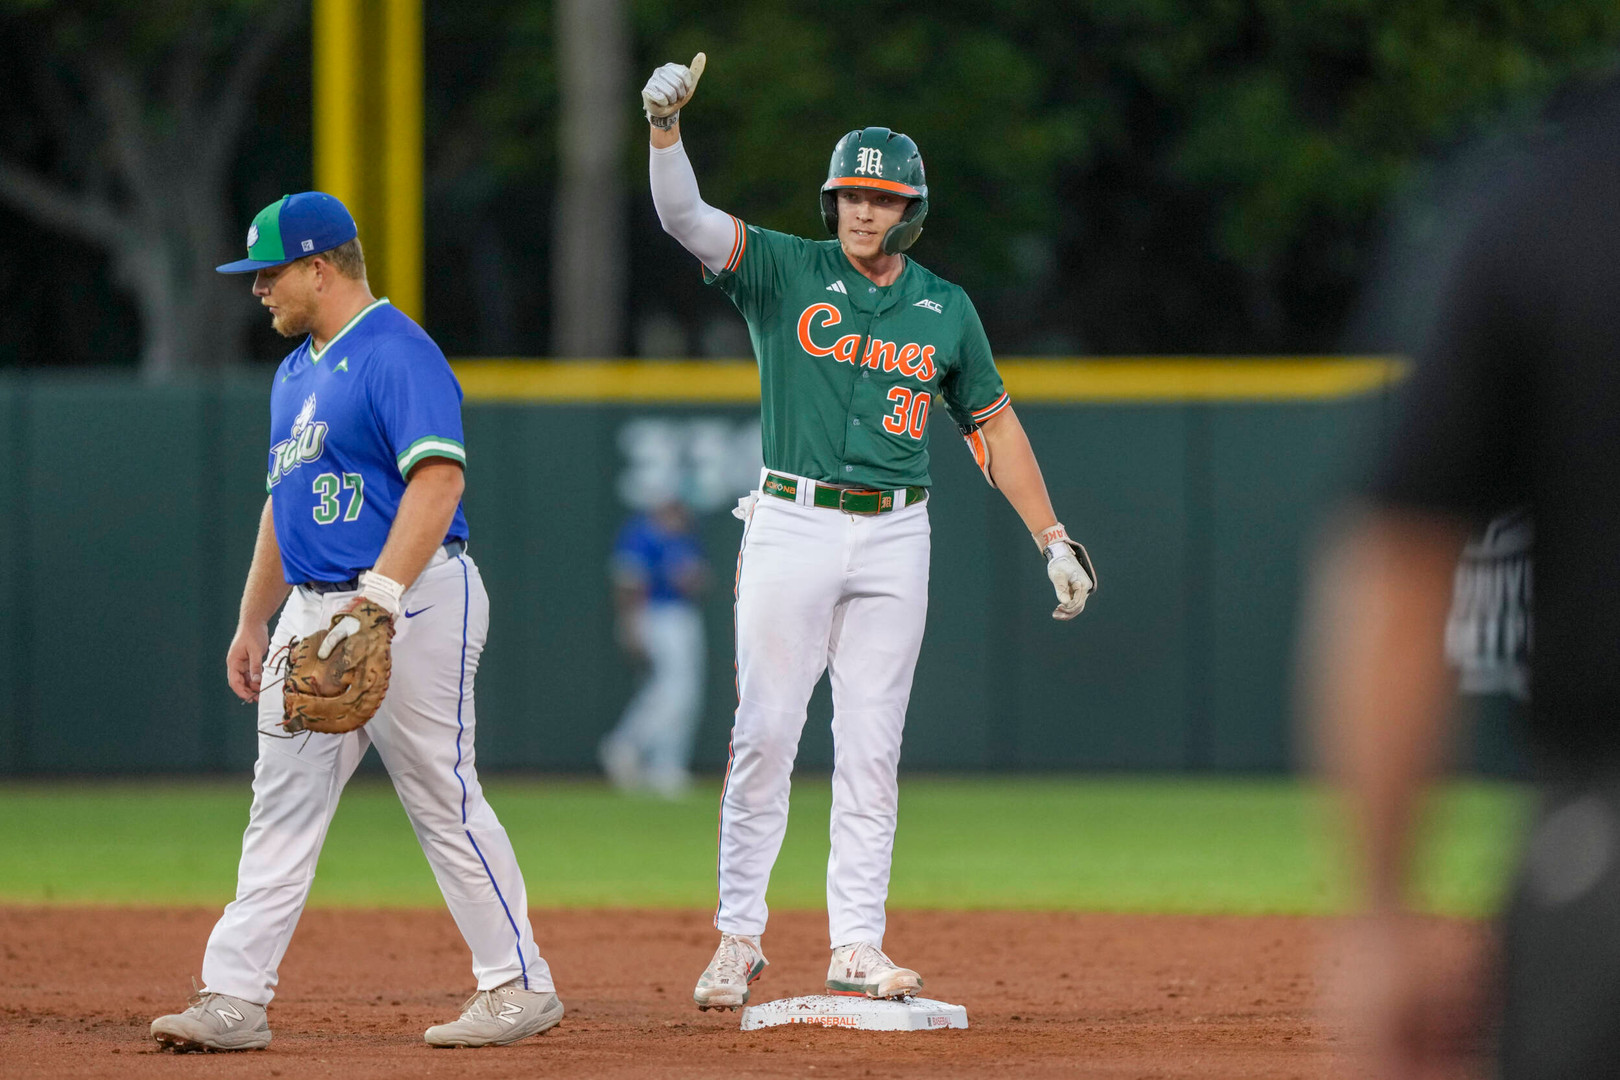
point(856, 343)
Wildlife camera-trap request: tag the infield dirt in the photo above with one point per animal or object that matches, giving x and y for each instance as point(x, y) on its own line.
point(1047, 995)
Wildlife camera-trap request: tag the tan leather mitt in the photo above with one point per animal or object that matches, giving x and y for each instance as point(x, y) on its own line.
point(343, 691)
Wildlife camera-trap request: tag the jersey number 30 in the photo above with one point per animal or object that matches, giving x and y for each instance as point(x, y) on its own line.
point(910, 416)
point(327, 487)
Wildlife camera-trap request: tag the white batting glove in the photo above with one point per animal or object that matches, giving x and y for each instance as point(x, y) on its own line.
point(1072, 583)
point(1069, 569)
point(670, 87)
point(385, 592)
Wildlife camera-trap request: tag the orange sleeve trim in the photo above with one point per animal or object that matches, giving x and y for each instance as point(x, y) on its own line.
point(881, 185)
point(739, 245)
point(991, 409)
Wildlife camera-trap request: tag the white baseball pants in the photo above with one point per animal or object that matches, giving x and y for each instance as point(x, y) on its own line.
point(821, 590)
point(424, 734)
point(661, 719)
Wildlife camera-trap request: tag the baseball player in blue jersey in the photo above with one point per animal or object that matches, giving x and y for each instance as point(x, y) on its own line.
point(365, 481)
point(658, 573)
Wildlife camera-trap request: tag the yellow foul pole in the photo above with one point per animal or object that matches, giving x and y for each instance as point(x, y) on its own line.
point(337, 100)
point(368, 133)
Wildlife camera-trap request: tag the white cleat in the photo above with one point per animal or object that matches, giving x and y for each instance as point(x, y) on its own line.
point(213, 1022)
point(498, 1017)
point(724, 983)
point(862, 968)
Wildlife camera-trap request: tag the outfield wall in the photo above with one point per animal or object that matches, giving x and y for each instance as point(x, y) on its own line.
point(1195, 484)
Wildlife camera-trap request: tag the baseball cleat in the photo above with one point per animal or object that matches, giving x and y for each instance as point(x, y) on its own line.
point(498, 1017)
point(724, 983)
point(862, 968)
point(213, 1022)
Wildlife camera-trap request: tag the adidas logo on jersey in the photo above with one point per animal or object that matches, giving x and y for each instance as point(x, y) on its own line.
point(838, 286)
point(930, 305)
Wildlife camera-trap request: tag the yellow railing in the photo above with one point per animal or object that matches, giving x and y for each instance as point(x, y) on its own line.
point(1098, 381)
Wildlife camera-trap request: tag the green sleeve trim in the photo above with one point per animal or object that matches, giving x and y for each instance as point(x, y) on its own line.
point(431, 446)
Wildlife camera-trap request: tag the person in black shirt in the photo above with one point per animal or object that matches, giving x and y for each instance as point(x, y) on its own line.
point(1515, 402)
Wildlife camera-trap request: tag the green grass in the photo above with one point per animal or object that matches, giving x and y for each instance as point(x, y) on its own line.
point(1072, 843)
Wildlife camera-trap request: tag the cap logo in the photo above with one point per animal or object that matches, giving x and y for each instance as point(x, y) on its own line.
point(253, 235)
point(869, 161)
point(308, 245)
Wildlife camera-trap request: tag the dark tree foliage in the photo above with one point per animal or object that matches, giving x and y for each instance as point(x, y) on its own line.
point(1108, 176)
point(121, 134)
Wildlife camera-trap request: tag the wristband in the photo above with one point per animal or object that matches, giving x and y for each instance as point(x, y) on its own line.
point(385, 592)
point(664, 123)
point(1053, 540)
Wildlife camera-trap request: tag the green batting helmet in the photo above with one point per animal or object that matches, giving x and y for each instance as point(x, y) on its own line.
point(888, 161)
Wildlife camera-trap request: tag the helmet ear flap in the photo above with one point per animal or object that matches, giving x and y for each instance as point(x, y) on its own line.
point(904, 233)
point(829, 211)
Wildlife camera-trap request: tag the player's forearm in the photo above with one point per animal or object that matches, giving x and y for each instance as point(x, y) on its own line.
point(662, 139)
point(706, 232)
point(425, 512)
point(1380, 683)
point(1017, 473)
point(264, 590)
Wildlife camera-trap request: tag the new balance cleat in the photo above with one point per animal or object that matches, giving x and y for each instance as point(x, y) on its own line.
point(213, 1022)
point(494, 1017)
point(862, 968)
point(736, 964)
point(498, 1017)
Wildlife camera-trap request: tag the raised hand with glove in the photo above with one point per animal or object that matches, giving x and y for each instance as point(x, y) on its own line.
point(671, 87)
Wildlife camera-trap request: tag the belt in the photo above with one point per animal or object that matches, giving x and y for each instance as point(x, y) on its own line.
point(849, 500)
point(452, 548)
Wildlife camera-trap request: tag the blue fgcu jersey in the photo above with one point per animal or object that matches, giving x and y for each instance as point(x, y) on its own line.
point(347, 425)
point(655, 559)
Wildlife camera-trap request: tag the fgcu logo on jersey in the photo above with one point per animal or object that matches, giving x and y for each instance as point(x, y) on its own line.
point(304, 445)
point(912, 360)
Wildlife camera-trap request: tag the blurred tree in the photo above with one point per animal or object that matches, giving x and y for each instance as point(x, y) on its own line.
point(1125, 175)
point(492, 150)
point(1109, 176)
point(139, 111)
point(588, 259)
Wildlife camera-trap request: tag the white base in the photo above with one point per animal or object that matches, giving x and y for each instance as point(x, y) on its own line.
point(860, 1013)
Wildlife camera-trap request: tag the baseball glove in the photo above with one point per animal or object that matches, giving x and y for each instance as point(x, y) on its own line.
point(343, 691)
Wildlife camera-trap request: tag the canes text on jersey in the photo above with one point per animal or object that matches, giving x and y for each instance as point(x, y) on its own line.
point(911, 360)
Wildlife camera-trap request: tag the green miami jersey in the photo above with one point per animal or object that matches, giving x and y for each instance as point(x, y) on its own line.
point(850, 372)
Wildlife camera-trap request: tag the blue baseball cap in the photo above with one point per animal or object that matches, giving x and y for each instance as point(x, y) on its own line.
point(293, 226)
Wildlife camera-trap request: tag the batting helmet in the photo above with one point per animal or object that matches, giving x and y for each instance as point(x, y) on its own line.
point(888, 161)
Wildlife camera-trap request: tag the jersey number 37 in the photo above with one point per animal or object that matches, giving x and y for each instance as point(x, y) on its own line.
point(327, 487)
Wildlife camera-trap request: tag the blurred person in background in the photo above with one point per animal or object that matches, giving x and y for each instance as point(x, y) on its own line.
point(658, 576)
point(1516, 402)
